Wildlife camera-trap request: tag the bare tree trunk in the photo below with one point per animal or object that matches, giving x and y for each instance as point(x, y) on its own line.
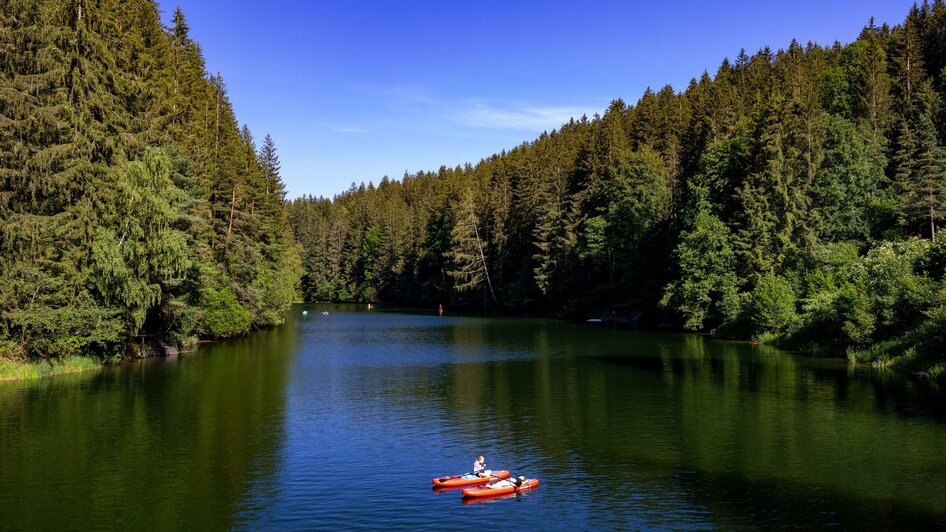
point(479, 244)
point(232, 210)
point(932, 219)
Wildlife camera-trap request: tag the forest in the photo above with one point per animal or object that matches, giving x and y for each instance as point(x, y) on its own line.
point(137, 215)
point(791, 197)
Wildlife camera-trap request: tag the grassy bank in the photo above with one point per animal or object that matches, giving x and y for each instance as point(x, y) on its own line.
point(10, 370)
point(903, 356)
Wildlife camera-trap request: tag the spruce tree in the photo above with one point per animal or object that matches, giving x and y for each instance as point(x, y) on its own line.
point(269, 164)
point(921, 175)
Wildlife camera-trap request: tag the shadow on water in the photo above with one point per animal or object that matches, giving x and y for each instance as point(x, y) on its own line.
point(156, 444)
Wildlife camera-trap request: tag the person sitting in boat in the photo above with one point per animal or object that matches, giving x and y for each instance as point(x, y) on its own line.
point(479, 467)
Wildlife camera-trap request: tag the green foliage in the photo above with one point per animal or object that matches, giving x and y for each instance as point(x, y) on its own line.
point(776, 198)
point(11, 370)
point(835, 315)
point(594, 248)
point(469, 268)
point(854, 300)
point(139, 253)
point(900, 293)
point(637, 194)
point(771, 306)
point(713, 188)
point(920, 167)
point(370, 252)
point(107, 229)
point(932, 332)
point(849, 182)
point(837, 92)
point(772, 200)
point(275, 289)
point(221, 315)
point(83, 328)
point(707, 290)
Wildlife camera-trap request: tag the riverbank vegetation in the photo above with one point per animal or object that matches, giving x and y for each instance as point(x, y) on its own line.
point(135, 211)
point(34, 369)
point(792, 196)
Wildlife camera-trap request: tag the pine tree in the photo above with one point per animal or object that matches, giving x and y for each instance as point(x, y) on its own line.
point(921, 175)
point(849, 180)
point(871, 79)
point(269, 163)
point(907, 61)
point(552, 240)
point(775, 199)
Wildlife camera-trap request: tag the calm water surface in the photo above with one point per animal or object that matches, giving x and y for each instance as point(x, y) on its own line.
point(342, 420)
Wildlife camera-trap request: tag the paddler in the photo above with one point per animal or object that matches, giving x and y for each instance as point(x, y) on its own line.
point(479, 467)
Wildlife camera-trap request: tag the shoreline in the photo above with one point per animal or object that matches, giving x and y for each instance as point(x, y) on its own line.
point(11, 371)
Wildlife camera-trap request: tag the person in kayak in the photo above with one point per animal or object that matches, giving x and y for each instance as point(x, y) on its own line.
point(479, 467)
point(512, 482)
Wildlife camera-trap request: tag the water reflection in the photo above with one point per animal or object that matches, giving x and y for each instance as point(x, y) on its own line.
point(734, 433)
point(157, 444)
point(341, 420)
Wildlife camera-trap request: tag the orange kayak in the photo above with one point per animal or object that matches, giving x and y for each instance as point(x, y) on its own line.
point(455, 481)
point(496, 489)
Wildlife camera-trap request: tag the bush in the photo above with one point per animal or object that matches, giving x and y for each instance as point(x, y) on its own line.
point(772, 306)
point(899, 296)
point(74, 330)
point(221, 315)
point(931, 334)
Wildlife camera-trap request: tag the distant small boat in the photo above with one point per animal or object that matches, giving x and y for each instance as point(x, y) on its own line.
point(325, 313)
point(594, 320)
point(305, 312)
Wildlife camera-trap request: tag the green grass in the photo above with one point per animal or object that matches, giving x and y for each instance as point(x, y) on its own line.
point(10, 370)
point(769, 338)
point(906, 353)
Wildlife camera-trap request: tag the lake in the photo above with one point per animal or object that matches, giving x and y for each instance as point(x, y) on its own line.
point(342, 420)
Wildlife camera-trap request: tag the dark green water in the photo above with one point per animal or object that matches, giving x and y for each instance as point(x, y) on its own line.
point(342, 420)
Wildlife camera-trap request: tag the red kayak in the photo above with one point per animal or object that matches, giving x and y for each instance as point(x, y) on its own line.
point(455, 481)
point(504, 487)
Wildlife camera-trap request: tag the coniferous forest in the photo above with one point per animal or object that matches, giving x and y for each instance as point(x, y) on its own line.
point(136, 212)
point(792, 196)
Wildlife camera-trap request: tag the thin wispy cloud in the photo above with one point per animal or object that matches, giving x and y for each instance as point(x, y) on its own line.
point(403, 94)
point(337, 127)
point(525, 118)
point(350, 129)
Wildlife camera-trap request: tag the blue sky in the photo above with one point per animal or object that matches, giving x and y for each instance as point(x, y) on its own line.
point(354, 90)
